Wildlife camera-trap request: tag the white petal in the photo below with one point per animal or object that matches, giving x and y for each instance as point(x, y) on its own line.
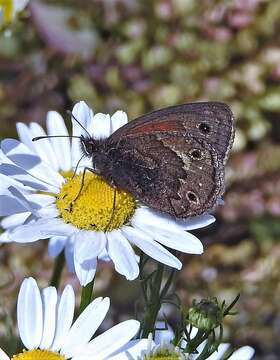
point(183, 241)
point(22, 199)
point(104, 256)
point(14, 220)
point(122, 255)
point(3, 355)
point(217, 355)
point(30, 314)
point(155, 221)
point(56, 245)
point(38, 204)
point(4, 237)
point(49, 300)
point(22, 179)
point(9, 205)
point(193, 332)
point(102, 126)
point(244, 353)
point(19, 5)
point(65, 314)
point(112, 340)
point(56, 126)
point(118, 119)
point(41, 199)
point(85, 116)
point(4, 158)
point(85, 326)
point(151, 247)
point(167, 232)
point(163, 333)
point(41, 229)
point(43, 147)
point(197, 222)
point(85, 271)
point(6, 181)
point(25, 135)
point(69, 255)
point(23, 157)
point(132, 350)
point(88, 245)
point(48, 212)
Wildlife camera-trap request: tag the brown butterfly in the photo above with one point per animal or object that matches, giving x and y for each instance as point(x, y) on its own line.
point(172, 160)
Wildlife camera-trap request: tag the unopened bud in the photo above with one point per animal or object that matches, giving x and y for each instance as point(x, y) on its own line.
point(205, 315)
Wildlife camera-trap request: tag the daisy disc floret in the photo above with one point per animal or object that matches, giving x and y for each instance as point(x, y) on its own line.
point(95, 208)
point(163, 351)
point(38, 355)
point(38, 200)
point(47, 330)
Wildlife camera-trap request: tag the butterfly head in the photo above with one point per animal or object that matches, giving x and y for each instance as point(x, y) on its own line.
point(96, 150)
point(90, 146)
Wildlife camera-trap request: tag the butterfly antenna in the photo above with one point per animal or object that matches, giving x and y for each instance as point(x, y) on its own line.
point(78, 122)
point(54, 136)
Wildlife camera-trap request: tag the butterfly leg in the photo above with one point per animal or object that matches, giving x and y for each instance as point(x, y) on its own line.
point(81, 187)
point(76, 167)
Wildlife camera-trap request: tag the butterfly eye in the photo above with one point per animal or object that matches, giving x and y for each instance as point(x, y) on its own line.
point(192, 197)
point(204, 128)
point(196, 154)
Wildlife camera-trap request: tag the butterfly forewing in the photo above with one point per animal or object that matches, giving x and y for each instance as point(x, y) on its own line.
point(212, 121)
point(173, 159)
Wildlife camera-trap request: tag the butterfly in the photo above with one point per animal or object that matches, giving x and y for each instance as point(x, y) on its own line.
point(172, 160)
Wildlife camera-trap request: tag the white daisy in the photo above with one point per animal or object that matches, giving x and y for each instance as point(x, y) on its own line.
point(37, 189)
point(47, 331)
point(162, 348)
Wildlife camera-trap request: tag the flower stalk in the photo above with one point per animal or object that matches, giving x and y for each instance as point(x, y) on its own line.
point(153, 303)
point(155, 292)
point(86, 296)
point(57, 270)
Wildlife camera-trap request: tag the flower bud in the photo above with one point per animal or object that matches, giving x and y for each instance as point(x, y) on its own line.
point(205, 315)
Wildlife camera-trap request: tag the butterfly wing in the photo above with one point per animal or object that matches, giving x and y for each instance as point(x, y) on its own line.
point(173, 159)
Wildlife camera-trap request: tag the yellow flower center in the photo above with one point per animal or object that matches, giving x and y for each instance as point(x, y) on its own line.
point(7, 7)
point(38, 355)
point(166, 353)
point(94, 208)
point(162, 357)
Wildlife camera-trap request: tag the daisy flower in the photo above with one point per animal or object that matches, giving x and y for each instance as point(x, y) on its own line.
point(162, 348)
point(47, 331)
point(10, 8)
point(37, 192)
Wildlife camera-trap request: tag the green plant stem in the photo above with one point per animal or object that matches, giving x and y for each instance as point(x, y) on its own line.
point(86, 297)
point(196, 341)
point(57, 270)
point(153, 303)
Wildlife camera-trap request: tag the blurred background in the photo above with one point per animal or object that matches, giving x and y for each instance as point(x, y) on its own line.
point(139, 56)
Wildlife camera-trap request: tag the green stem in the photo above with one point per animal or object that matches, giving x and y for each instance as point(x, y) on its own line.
point(57, 270)
point(153, 304)
point(196, 341)
point(86, 297)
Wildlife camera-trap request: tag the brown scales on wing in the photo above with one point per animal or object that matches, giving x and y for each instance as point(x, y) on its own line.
point(173, 159)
